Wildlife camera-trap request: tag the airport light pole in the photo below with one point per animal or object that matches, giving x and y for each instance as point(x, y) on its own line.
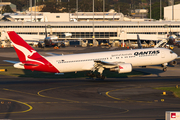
point(93, 24)
point(150, 9)
point(160, 9)
point(1, 7)
point(103, 9)
point(172, 9)
point(30, 2)
point(35, 9)
point(77, 9)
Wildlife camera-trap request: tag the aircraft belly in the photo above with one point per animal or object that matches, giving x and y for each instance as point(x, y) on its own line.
point(141, 61)
point(71, 67)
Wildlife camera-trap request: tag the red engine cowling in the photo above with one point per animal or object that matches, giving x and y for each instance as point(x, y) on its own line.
point(123, 68)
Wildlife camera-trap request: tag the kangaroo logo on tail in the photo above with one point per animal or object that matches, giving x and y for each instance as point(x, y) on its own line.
point(27, 53)
point(23, 50)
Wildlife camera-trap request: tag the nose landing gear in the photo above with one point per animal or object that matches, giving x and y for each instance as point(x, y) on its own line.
point(164, 67)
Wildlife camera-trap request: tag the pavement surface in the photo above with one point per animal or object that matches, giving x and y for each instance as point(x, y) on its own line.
point(28, 98)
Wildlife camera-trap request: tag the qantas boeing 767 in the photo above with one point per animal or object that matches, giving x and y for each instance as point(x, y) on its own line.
point(121, 61)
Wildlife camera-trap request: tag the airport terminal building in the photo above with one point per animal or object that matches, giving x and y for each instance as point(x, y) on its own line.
point(72, 26)
point(121, 30)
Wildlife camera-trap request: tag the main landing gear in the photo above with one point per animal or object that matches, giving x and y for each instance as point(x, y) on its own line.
point(92, 75)
point(100, 76)
point(100, 69)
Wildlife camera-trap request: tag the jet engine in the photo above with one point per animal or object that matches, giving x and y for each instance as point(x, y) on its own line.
point(174, 62)
point(123, 68)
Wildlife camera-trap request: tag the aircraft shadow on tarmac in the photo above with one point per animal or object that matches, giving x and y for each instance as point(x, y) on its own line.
point(83, 74)
point(35, 74)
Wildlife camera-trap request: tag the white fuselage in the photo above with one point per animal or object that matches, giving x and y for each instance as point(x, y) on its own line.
point(136, 57)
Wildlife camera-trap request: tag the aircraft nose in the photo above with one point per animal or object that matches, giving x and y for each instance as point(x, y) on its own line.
point(175, 55)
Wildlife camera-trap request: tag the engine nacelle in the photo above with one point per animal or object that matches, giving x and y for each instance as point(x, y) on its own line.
point(174, 62)
point(123, 68)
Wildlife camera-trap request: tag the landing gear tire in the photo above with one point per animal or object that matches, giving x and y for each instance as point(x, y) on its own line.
point(102, 77)
point(91, 75)
point(164, 69)
point(98, 76)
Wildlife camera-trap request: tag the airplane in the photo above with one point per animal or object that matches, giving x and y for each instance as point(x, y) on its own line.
point(121, 61)
point(51, 40)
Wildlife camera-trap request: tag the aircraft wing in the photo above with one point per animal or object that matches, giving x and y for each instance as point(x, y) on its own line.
point(104, 64)
point(9, 61)
point(178, 57)
point(120, 67)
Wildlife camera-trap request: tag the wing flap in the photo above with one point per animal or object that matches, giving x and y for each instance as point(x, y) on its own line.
point(107, 64)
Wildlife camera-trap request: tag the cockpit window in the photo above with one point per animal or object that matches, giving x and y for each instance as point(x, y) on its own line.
point(171, 52)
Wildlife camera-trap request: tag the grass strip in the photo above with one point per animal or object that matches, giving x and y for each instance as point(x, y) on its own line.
point(175, 90)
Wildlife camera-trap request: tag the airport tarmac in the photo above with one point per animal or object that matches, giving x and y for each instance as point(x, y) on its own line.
point(27, 98)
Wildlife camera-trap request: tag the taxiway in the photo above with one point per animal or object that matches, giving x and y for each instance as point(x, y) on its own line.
point(28, 98)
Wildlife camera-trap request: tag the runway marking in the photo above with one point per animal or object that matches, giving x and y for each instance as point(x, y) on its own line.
point(93, 117)
point(30, 107)
point(55, 97)
point(73, 101)
point(19, 91)
point(107, 94)
point(41, 95)
point(124, 100)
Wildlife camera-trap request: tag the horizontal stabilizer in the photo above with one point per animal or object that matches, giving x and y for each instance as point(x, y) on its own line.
point(59, 73)
point(9, 61)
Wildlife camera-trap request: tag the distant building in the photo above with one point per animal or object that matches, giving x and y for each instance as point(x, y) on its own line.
point(139, 13)
point(98, 16)
point(65, 17)
point(172, 12)
point(38, 17)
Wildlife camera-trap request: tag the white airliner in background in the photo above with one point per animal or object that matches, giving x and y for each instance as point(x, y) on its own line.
point(121, 61)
